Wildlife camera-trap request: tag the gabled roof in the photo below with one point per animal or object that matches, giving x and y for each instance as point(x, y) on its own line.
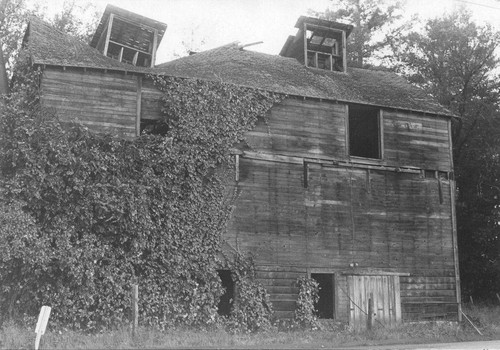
point(231, 64)
point(50, 46)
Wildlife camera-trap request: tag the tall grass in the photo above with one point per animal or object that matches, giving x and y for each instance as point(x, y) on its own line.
point(486, 318)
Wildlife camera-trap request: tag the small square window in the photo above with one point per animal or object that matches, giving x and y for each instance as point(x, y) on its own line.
point(364, 132)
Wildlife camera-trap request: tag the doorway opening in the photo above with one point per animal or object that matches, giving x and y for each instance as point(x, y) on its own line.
point(325, 307)
point(226, 300)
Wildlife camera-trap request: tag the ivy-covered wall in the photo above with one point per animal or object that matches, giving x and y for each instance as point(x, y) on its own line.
point(105, 212)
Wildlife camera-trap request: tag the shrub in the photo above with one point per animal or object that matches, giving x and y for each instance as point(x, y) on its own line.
point(308, 296)
point(252, 309)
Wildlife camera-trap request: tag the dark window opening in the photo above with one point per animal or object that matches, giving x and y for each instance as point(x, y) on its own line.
point(364, 132)
point(430, 174)
point(323, 49)
point(114, 51)
point(153, 127)
point(226, 300)
point(143, 60)
point(443, 175)
point(128, 55)
point(325, 307)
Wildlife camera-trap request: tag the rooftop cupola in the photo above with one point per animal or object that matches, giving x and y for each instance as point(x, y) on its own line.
point(319, 44)
point(128, 37)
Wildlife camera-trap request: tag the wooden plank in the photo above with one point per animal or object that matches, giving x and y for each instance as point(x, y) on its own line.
point(374, 272)
point(344, 51)
point(155, 46)
point(427, 293)
point(108, 34)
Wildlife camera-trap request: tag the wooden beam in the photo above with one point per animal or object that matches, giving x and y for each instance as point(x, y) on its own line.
point(134, 60)
point(306, 174)
point(155, 44)
point(102, 37)
point(368, 181)
point(381, 133)
point(373, 272)
point(305, 45)
point(344, 52)
point(454, 231)
point(138, 108)
point(327, 162)
point(108, 34)
point(346, 119)
point(336, 288)
point(129, 47)
point(120, 55)
point(440, 190)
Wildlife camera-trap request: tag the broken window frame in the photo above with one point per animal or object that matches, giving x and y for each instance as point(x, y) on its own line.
point(140, 57)
point(334, 59)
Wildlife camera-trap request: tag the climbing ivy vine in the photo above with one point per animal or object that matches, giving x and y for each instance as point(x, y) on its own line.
point(108, 212)
point(308, 296)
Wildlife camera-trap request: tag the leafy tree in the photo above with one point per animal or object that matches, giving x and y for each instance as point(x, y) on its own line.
point(370, 18)
point(77, 19)
point(13, 16)
point(454, 60)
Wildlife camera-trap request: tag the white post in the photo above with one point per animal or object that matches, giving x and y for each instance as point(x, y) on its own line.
point(43, 319)
point(135, 308)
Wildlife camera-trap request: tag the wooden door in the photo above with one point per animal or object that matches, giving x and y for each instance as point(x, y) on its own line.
point(385, 291)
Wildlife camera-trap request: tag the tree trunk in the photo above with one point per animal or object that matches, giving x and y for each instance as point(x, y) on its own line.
point(4, 80)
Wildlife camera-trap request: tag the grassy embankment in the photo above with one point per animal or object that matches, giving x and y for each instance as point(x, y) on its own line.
point(487, 318)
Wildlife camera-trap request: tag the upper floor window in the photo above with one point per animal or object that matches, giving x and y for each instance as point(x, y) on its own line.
point(128, 37)
point(364, 132)
point(319, 43)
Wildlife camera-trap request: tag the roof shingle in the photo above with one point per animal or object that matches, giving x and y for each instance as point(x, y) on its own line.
point(286, 75)
point(233, 65)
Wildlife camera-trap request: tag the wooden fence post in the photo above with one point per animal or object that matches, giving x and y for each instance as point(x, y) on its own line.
point(369, 324)
point(135, 308)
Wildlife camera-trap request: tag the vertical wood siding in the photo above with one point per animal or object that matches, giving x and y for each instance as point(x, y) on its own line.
point(387, 220)
point(377, 219)
point(302, 128)
point(104, 102)
point(151, 101)
point(416, 141)
point(384, 293)
point(308, 128)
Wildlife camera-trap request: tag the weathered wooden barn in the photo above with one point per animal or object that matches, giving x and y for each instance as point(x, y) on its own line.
point(350, 181)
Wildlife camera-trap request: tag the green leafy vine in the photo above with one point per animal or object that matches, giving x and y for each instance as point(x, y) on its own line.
point(108, 212)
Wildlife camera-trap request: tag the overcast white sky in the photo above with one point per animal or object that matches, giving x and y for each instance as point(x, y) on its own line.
point(218, 22)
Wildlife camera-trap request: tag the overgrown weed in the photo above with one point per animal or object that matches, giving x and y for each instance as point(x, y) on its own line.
point(329, 334)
